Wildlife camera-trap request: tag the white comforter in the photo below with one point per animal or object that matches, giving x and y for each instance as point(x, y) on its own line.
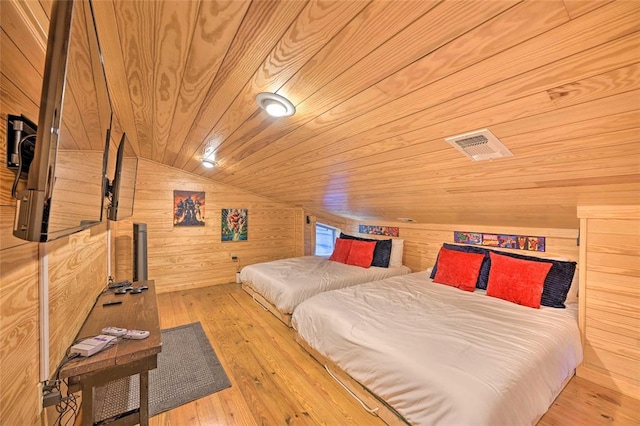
point(442, 356)
point(287, 282)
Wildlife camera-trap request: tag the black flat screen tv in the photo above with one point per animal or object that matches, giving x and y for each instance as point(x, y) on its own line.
point(123, 186)
point(66, 182)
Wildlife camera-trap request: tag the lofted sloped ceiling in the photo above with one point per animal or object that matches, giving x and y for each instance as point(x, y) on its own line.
point(378, 85)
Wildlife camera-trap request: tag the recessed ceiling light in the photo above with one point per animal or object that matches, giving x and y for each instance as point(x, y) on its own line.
point(275, 105)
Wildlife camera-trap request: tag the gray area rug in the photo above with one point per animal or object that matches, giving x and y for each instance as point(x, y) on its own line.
point(188, 369)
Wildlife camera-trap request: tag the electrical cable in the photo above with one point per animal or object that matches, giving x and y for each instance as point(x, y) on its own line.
point(69, 403)
point(14, 188)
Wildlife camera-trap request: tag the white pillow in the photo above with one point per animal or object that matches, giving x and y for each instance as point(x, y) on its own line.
point(572, 295)
point(397, 249)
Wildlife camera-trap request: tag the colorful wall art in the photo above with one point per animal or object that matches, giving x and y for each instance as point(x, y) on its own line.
point(235, 224)
point(188, 208)
point(519, 242)
point(388, 231)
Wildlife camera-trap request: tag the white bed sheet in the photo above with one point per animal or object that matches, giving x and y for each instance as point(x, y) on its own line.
point(287, 282)
point(442, 356)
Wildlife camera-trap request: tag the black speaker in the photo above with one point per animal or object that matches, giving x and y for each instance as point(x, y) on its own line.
point(140, 252)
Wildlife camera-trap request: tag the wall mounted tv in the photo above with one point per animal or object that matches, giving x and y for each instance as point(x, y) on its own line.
point(67, 177)
point(123, 187)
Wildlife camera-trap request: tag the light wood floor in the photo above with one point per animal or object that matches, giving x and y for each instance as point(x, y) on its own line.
point(275, 382)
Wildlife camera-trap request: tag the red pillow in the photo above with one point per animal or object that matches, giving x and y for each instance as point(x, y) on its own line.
point(517, 280)
point(341, 250)
point(458, 269)
point(361, 253)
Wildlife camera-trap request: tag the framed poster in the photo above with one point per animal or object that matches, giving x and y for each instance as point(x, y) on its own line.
point(235, 224)
point(389, 231)
point(518, 242)
point(188, 208)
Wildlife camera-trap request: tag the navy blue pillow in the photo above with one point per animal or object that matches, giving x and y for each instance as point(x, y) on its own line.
point(483, 276)
point(381, 254)
point(556, 284)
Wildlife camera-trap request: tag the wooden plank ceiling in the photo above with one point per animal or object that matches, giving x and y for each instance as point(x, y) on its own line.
point(378, 85)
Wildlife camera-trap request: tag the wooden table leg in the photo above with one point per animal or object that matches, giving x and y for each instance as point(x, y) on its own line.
point(87, 405)
point(144, 398)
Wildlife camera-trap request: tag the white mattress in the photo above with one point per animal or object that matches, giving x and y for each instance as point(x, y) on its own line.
point(287, 282)
point(443, 356)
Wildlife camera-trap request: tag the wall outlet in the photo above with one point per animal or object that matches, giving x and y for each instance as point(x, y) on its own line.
point(234, 257)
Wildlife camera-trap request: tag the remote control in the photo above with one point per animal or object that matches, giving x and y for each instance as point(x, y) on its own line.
point(114, 331)
point(120, 284)
point(138, 290)
point(136, 334)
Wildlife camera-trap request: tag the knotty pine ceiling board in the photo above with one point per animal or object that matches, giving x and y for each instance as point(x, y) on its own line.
point(357, 91)
point(417, 111)
point(437, 152)
point(216, 27)
point(354, 42)
point(262, 26)
point(378, 85)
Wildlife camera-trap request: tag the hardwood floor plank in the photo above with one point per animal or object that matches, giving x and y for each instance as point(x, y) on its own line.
point(585, 403)
point(274, 381)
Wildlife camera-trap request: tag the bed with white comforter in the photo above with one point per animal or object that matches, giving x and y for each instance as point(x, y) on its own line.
point(287, 282)
point(442, 356)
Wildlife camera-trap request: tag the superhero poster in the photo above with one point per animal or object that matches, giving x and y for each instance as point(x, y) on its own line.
point(518, 242)
point(235, 224)
point(388, 231)
point(188, 208)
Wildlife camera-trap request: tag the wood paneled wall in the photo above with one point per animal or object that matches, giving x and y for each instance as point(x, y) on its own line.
point(19, 331)
point(423, 240)
point(610, 283)
point(189, 257)
point(76, 264)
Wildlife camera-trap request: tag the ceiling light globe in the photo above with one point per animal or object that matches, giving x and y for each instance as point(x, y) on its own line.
point(275, 109)
point(275, 105)
point(208, 163)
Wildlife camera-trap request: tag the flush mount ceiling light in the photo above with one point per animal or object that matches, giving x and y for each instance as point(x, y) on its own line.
point(275, 105)
point(208, 158)
point(209, 164)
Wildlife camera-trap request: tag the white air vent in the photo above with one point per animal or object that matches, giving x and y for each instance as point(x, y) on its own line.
point(479, 145)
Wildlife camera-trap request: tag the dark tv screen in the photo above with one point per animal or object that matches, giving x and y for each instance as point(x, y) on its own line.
point(123, 187)
point(65, 186)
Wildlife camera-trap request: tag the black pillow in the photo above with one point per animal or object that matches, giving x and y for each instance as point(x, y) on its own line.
point(556, 284)
point(382, 252)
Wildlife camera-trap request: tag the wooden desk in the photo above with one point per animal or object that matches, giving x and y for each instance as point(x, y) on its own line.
point(125, 358)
